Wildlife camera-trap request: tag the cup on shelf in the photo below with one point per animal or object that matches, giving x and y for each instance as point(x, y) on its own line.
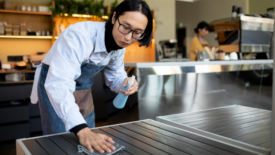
point(233, 56)
point(226, 57)
point(38, 33)
point(34, 9)
point(29, 8)
point(23, 8)
point(41, 8)
point(221, 55)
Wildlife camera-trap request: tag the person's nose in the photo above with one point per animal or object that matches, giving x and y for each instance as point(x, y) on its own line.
point(128, 36)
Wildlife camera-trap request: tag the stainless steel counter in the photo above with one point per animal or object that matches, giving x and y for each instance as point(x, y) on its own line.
point(167, 88)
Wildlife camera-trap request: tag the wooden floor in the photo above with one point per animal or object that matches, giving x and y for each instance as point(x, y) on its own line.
point(249, 125)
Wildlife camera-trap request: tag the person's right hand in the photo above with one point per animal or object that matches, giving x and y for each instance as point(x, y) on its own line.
point(96, 141)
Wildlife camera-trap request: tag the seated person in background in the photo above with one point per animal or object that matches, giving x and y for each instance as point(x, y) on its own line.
point(197, 42)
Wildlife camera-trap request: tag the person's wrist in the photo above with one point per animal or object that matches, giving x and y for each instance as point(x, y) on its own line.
point(82, 132)
point(79, 127)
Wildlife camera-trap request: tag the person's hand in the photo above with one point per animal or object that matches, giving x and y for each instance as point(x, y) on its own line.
point(96, 141)
point(131, 90)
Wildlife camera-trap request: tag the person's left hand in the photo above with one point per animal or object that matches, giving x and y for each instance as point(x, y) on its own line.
point(131, 90)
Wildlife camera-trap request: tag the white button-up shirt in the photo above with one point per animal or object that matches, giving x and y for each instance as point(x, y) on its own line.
point(73, 47)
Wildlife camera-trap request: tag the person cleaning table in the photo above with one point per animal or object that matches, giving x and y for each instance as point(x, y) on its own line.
point(63, 81)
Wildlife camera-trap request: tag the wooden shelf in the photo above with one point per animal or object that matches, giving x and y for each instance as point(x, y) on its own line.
point(8, 72)
point(30, 71)
point(26, 12)
point(16, 71)
point(16, 82)
point(26, 37)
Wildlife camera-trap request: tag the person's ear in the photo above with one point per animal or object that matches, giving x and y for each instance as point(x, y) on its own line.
point(114, 18)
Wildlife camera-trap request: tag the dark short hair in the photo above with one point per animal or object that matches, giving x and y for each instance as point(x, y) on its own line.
point(135, 5)
point(202, 25)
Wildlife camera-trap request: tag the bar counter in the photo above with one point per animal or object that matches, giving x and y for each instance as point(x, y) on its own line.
point(167, 88)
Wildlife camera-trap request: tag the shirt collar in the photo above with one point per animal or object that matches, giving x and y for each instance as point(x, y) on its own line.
point(100, 40)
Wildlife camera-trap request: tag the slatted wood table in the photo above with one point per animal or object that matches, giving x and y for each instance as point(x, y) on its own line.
point(235, 125)
point(139, 138)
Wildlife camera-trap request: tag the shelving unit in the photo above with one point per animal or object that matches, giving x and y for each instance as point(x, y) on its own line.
point(35, 21)
point(17, 71)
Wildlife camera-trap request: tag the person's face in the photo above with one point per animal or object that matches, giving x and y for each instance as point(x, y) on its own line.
point(130, 20)
point(203, 32)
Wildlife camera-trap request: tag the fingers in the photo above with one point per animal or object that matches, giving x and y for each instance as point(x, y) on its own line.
point(109, 139)
point(134, 87)
point(128, 92)
point(123, 91)
point(96, 147)
point(105, 148)
point(125, 82)
point(131, 90)
point(90, 148)
point(94, 141)
point(110, 146)
point(102, 146)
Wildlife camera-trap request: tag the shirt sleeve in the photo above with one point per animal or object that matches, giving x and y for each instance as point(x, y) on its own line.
point(115, 73)
point(65, 66)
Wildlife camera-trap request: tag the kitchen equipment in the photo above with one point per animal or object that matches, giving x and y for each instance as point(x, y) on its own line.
point(23, 29)
point(23, 8)
point(245, 34)
point(212, 52)
point(233, 56)
point(240, 11)
point(34, 9)
point(21, 65)
point(2, 28)
point(29, 8)
point(226, 57)
point(8, 29)
point(169, 48)
point(221, 55)
point(6, 66)
point(234, 11)
point(270, 12)
point(14, 77)
point(15, 29)
point(202, 56)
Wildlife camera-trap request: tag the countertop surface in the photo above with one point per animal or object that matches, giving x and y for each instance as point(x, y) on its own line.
point(194, 63)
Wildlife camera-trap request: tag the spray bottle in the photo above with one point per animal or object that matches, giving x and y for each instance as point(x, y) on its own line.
point(120, 100)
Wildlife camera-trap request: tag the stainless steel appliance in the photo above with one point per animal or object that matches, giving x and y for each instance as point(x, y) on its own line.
point(245, 34)
point(168, 48)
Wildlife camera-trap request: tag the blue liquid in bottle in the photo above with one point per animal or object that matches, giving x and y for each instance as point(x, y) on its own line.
point(120, 100)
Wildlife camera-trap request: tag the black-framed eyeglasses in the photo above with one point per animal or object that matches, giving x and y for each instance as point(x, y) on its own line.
point(126, 30)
